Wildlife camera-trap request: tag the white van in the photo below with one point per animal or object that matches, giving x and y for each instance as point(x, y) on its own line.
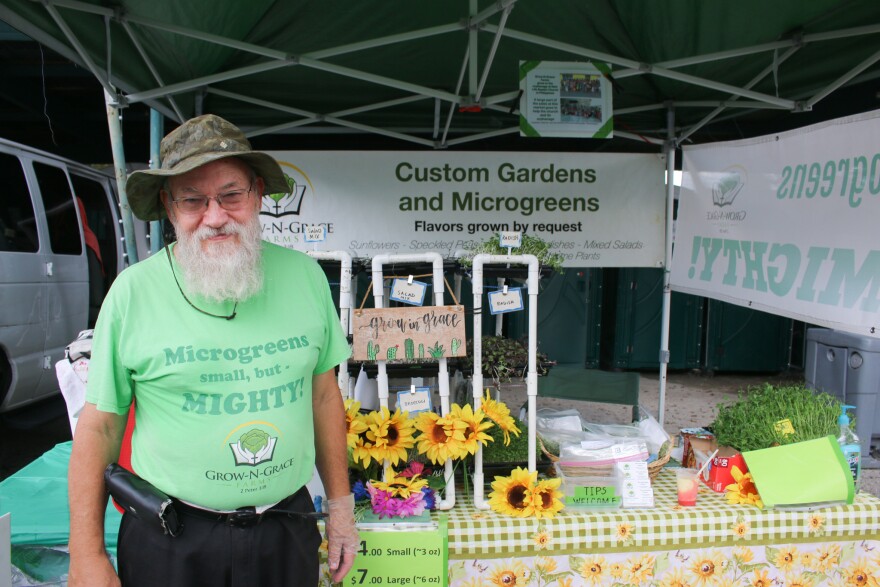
point(60, 249)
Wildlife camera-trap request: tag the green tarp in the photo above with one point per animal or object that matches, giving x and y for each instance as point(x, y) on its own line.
point(36, 498)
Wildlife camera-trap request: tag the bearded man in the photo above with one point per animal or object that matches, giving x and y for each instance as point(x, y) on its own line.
point(229, 345)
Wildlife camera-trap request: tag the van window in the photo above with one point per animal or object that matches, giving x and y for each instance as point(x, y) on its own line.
point(18, 230)
point(64, 235)
point(99, 217)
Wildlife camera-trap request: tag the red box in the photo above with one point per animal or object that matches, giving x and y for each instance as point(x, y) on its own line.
point(719, 474)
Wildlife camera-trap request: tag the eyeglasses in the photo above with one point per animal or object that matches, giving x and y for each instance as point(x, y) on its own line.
point(231, 201)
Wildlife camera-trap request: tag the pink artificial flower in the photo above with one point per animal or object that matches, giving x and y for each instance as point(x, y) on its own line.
point(385, 505)
point(414, 468)
point(413, 505)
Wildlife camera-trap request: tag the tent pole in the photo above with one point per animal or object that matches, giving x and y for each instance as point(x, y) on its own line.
point(156, 133)
point(667, 258)
point(115, 128)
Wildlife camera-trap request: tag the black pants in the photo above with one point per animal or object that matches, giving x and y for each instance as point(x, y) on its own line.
point(279, 551)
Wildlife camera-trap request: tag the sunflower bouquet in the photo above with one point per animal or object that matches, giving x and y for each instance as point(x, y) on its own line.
point(522, 495)
point(382, 442)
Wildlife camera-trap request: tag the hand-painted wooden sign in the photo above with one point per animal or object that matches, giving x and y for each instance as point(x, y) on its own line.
point(424, 333)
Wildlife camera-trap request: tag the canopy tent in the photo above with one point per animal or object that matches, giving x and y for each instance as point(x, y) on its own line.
point(443, 75)
point(405, 70)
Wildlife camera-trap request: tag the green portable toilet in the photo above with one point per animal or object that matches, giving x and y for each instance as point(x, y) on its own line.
point(633, 316)
point(744, 339)
point(570, 316)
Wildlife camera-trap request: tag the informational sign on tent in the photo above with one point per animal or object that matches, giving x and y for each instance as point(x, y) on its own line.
point(786, 224)
point(560, 99)
point(596, 210)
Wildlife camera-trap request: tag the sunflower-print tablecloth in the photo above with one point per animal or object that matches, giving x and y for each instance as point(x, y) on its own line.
point(712, 544)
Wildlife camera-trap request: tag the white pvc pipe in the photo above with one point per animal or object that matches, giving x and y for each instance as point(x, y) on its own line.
point(443, 371)
point(532, 374)
point(344, 258)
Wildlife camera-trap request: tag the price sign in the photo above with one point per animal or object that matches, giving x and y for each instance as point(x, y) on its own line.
point(400, 557)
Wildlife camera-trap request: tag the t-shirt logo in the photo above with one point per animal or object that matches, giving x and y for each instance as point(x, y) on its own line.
point(253, 447)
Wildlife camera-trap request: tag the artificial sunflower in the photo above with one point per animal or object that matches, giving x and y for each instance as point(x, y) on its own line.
point(441, 438)
point(391, 435)
point(512, 495)
point(399, 486)
point(355, 424)
point(499, 413)
point(476, 426)
point(744, 490)
point(362, 450)
point(546, 498)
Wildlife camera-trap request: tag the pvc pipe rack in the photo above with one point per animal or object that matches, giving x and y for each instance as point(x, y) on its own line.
point(531, 376)
point(443, 372)
point(345, 263)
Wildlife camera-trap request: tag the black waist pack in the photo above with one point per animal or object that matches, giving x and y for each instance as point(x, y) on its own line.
point(142, 500)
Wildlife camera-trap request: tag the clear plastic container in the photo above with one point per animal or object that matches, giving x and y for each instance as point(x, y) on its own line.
point(600, 489)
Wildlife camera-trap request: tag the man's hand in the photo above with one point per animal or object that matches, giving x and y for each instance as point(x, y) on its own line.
point(92, 571)
point(342, 536)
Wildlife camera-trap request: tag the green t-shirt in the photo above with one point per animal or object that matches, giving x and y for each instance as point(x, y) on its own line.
point(224, 407)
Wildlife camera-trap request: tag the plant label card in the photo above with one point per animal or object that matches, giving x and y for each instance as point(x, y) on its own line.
point(510, 240)
point(408, 291)
point(501, 302)
point(414, 400)
point(315, 233)
point(408, 333)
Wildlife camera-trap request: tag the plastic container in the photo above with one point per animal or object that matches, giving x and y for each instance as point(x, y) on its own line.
point(600, 490)
point(849, 444)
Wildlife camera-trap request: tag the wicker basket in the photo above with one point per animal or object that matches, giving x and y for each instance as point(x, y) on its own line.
point(654, 467)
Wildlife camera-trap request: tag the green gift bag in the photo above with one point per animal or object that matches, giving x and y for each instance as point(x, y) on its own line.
point(802, 474)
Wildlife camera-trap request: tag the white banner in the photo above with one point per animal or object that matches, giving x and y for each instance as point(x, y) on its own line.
point(596, 210)
point(786, 223)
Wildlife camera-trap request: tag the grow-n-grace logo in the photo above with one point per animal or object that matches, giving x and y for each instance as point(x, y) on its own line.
point(726, 187)
point(253, 447)
point(278, 205)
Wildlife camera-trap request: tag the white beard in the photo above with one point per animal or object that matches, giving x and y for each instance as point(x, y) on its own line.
point(225, 271)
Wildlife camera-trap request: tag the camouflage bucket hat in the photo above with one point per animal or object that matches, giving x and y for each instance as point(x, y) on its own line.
point(194, 143)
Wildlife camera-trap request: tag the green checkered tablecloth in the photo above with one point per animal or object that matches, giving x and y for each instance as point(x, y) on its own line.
point(712, 522)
